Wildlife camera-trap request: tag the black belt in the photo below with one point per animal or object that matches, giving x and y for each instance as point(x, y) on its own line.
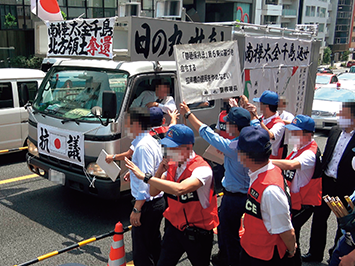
point(227, 193)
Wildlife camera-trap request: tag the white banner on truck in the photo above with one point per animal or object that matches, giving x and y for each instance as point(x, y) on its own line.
point(154, 39)
point(208, 71)
point(65, 145)
point(81, 37)
point(268, 51)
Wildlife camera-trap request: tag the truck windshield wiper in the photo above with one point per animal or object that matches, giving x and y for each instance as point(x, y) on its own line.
point(70, 119)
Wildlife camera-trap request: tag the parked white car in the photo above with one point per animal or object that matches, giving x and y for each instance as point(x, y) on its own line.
point(17, 86)
point(327, 103)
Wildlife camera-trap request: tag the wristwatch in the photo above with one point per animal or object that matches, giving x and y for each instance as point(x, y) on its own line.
point(187, 114)
point(113, 157)
point(147, 177)
point(135, 210)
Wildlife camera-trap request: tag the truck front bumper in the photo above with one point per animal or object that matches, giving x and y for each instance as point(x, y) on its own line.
point(102, 188)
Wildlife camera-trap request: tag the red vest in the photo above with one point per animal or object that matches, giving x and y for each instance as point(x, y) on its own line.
point(275, 120)
point(159, 132)
point(189, 204)
point(257, 241)
point(222, 125)
point(310, 194)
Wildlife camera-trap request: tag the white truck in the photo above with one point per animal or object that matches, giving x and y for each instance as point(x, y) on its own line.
point(65, 135)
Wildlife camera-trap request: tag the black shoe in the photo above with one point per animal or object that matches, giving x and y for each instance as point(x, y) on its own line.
point(219, 260)
point(309, 258)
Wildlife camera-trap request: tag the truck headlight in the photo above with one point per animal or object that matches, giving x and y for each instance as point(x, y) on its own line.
point(95, 169)
point(32, 149)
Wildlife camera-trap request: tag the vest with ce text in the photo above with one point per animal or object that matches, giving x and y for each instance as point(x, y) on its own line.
point(257, 241)
point(310, 194)
point(187, 208)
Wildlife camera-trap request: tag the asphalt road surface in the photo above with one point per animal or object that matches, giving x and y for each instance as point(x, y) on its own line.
point(37, 217)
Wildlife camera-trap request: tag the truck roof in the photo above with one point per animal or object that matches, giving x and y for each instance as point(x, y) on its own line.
point(132, 68)
point(20, 73)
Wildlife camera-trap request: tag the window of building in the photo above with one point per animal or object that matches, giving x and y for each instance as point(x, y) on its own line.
point(313, 11)
point(270, 20)
point(353, 39)
point(94, 3)
point(322, 12)
point(321, 27)
point(318, 11)
point(308, 11)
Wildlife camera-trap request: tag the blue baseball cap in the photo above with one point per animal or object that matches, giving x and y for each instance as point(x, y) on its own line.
point(268, 97)
point(156, 116)
point(238, 116)
point(254, 139)
point(178, 135)
point(302, 122)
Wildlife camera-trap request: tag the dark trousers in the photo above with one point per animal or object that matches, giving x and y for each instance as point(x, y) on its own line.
point(175, 243)
point(146, 239)
point(320, 217)
point(341, 249)
point(246, 260)
point(231, 211)
point(299, 218)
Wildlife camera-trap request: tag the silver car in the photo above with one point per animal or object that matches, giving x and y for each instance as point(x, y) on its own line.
point(327, 103)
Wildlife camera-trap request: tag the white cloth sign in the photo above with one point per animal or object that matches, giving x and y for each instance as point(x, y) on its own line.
point(269, 51)
point(288, 82)
point(81, 37)
point(208, 71)
point(65, 145)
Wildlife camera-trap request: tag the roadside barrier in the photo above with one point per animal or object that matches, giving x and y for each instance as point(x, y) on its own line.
point(80, 244)
point(12, 150)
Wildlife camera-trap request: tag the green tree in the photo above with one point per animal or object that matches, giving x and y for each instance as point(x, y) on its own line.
point(345, 56)
point(10, 21)
point(326, 55)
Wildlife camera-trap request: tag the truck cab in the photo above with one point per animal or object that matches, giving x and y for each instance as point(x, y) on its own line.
point(64, 103)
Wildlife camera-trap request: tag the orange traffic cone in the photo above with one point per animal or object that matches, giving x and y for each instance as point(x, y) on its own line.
point(117, 252)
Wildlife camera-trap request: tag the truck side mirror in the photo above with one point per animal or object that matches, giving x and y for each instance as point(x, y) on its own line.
point(109, 104)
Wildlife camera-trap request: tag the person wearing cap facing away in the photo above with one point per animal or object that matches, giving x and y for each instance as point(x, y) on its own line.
point(338, 165)
point(192, 205)
point(235, 182)
point(148, 209)
point(272, 123)
point(299, 170)
point(269, 238)
point(158, 98)
point(158, 131)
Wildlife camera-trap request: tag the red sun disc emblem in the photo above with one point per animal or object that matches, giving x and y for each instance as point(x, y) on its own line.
point(57, 143)
point(50, 6)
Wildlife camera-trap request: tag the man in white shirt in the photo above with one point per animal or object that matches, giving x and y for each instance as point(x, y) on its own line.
point(158, 98)
point(269, 238)
point(338, 163)
point(192, 206)
point(148, 210)
point(299, 171)
point(272, 123)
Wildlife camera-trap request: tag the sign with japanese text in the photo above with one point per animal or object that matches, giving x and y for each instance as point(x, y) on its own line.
point(277, 64)
point(262, 51)
point(65, 145)
point(154, 39)
point(287, 82)
point(81, 37)
point(208, 71)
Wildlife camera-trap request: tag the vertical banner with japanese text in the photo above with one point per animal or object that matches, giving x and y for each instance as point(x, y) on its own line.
point(81, 37)
point(208, 71)
point(65, 145)
point(277, 64)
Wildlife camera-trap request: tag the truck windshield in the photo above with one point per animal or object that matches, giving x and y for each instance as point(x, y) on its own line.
point(71, 93)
